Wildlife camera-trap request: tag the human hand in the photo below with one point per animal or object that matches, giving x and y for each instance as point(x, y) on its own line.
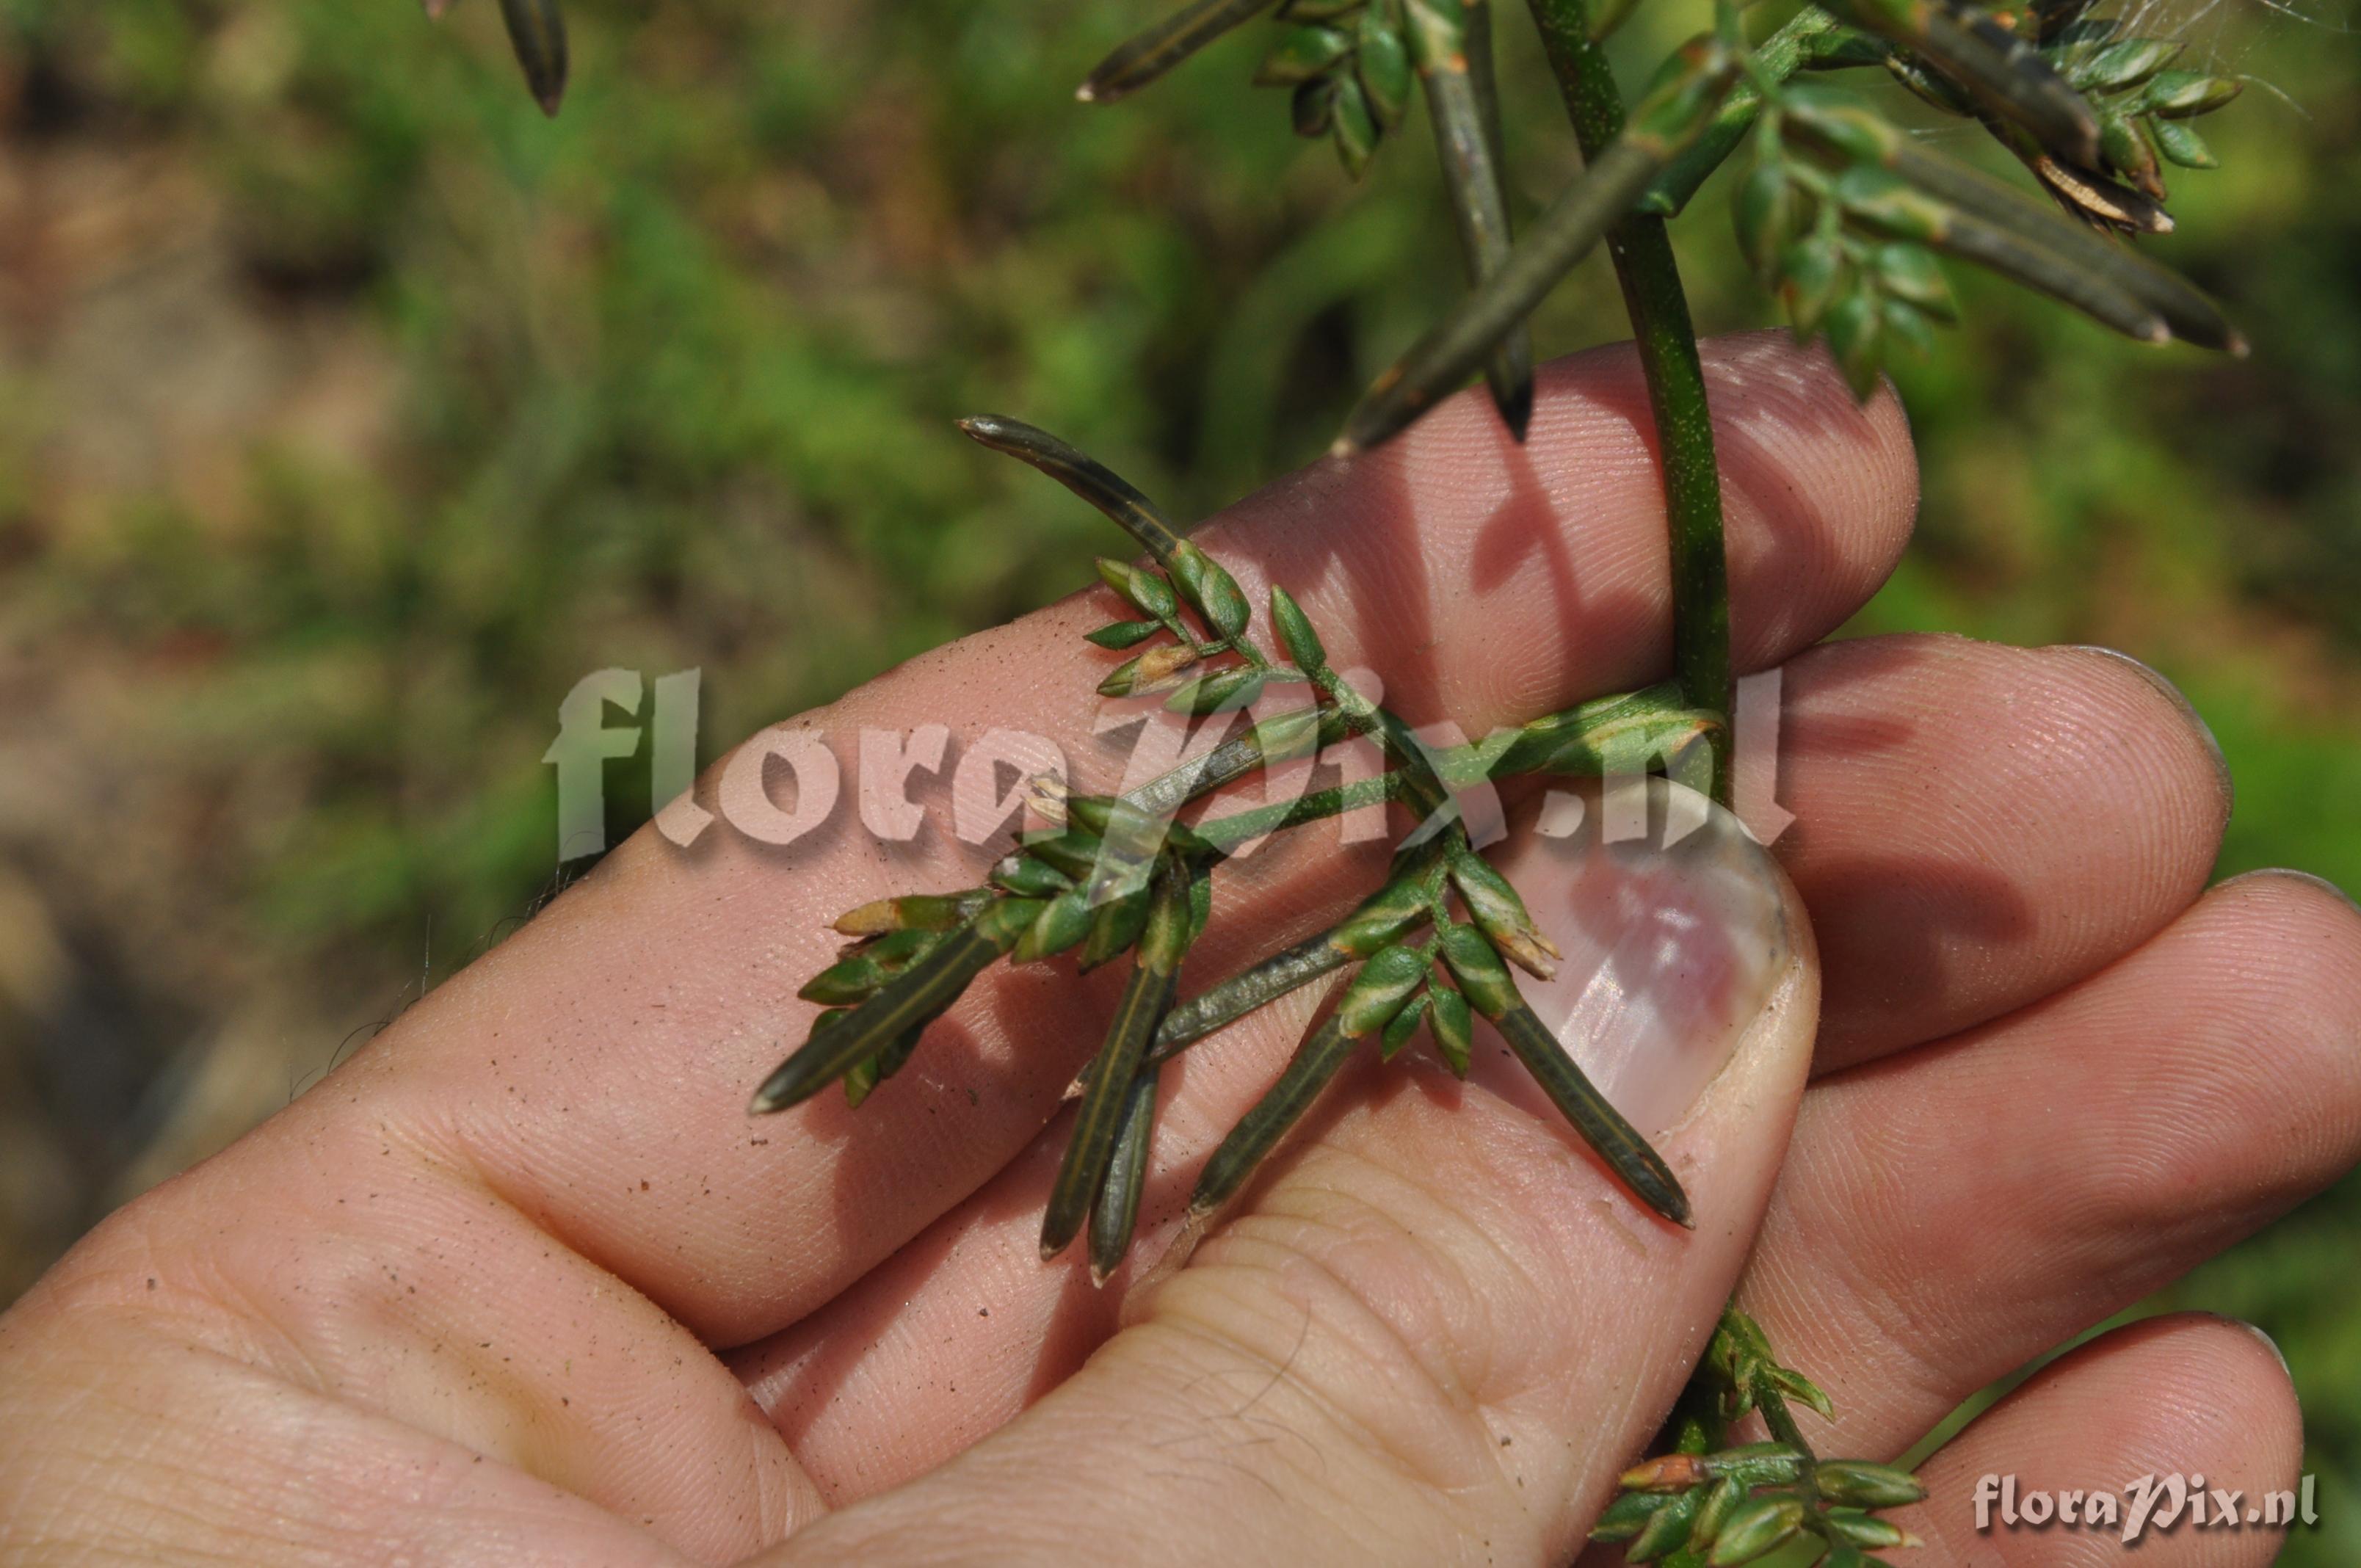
point(521, 1283)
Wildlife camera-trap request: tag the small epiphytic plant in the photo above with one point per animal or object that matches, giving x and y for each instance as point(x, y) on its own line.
point(1845, 216)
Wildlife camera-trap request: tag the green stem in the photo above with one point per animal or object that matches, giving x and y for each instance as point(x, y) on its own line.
point(1658, 306)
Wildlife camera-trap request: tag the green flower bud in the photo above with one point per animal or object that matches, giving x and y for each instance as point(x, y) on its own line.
point(1483, 978)
point(1314, 107)
point(2120, 65)
point(1889, 204)
point(1303, 53)
point(1352, 126)
point(1157, 670)
point(1714, 1511)
point(1146, 591)
point(1405, 1024)
point(1856, 1482)
point(1124, 633)
point(1857, 339)
point(1627, 1515)
point(1029, 877)
point(1766, 212)
point(1378, 992)
point(1295, 633)
point(1228, 689)
point(1453, 1028)
point(1115, 925)
point(1383, 917)
point(2180, 142)
point(1063, 921)
point(1756, 1528)
point(1383, 62)
point(914, 912)
point(1910, 272)
point(1497, 910)
point(1810, 272)
point(1861, 1529)
point(1668, 1529)
point(1212, 590)
point(2184, 94)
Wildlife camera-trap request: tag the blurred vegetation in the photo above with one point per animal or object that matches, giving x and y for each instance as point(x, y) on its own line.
point(350, 411)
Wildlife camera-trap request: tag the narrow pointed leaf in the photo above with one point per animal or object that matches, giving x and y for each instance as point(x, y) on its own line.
point(1083, 474)
point(1146, 996)
point(1150, 54)
point(537, 35)
point(1315, 1062)
point(911, 999)
point(1566, 233)
point(1289, 970)
point(1612, 1138)
point(1116, 1213)
point(1443, 47)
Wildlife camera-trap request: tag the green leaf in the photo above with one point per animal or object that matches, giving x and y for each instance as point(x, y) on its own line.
point(1150, 54)
point(537, 35)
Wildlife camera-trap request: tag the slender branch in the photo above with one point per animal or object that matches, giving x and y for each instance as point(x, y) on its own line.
point(1644, 264)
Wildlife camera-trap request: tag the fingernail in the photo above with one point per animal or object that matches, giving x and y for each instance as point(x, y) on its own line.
point(2284, 873)
point(2259, 1332)
point(1675, 933)
point(2173, 694)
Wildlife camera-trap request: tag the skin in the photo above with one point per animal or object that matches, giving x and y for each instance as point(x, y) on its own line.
point(520, 1283)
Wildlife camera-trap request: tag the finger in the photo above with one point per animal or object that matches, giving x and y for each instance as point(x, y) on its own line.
point(1949, 1215)
point(1977, 826)
point(595, 1067)
point(2202, 1401)
point(2111, 811)
point(1378, 1360)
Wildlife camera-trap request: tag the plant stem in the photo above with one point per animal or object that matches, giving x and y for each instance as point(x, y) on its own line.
point(1659, 308)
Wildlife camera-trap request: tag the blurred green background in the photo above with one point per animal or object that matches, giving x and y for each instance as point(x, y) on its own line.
point(350, 411)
